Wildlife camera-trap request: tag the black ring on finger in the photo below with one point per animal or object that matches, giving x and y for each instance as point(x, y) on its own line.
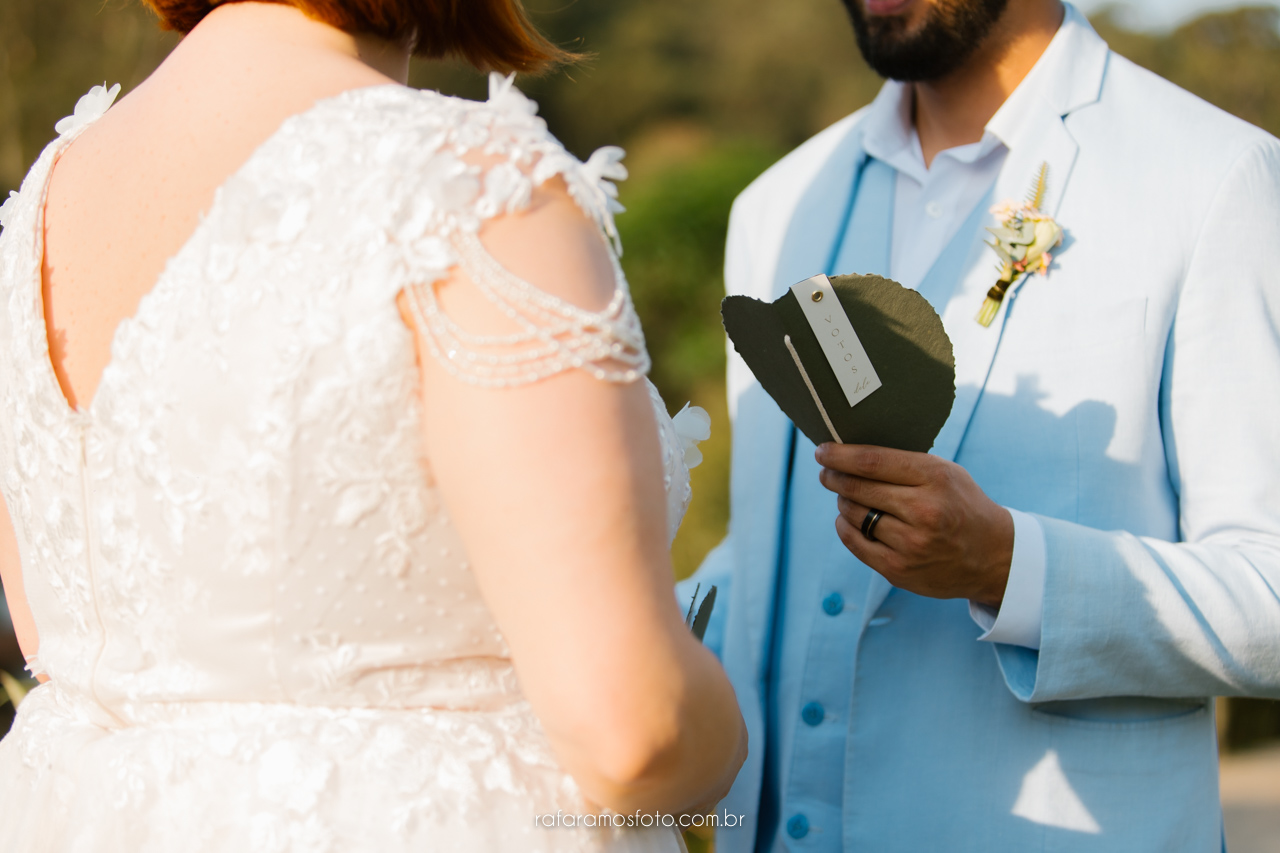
point(869, 524)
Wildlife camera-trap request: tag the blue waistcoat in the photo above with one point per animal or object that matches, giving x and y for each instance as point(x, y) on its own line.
point(810, 683)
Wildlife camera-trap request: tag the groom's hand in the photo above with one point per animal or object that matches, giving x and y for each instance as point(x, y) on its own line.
point(940, 535)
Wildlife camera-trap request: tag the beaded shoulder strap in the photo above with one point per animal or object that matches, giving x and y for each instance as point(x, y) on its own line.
point(554, 335)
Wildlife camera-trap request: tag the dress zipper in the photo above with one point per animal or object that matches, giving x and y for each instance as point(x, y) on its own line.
point(90, 564)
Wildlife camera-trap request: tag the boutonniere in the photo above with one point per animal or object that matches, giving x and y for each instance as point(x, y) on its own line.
point(1022, 240)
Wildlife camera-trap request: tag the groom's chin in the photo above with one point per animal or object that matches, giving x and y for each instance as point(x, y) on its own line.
point(920, 40)
point(887, 31)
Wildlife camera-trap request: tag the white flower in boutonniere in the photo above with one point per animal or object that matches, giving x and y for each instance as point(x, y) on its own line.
point(1022, 240)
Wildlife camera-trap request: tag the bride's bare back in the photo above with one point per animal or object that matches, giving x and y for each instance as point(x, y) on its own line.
point(126, 196)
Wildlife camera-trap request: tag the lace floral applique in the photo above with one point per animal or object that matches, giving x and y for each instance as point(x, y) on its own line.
point(693, 425)
point(89, 109)
point(553, 335)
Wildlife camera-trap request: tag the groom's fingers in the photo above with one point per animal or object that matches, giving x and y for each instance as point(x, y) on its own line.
point(877, 555)
point(878, 463)
point(890, 529)
point(894, 499)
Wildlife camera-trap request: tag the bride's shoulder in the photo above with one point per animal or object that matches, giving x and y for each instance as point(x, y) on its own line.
point(481, 158)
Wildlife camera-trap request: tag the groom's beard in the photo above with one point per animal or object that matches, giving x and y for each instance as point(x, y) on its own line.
point(952, 31)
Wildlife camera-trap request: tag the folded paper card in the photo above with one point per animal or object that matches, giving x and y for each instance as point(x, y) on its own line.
point(857, 359)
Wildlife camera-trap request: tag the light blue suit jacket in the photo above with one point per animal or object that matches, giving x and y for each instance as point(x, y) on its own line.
point(1132, 402)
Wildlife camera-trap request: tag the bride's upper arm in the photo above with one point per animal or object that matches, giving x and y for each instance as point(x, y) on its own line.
point(556, 487)
point(554, 247)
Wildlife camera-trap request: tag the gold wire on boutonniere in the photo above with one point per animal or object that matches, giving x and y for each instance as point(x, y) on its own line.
point(1022, 240)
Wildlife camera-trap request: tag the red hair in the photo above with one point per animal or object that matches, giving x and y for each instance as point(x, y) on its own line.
point(490, 34)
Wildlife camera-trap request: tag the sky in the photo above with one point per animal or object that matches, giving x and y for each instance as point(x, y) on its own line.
point(1164, 14)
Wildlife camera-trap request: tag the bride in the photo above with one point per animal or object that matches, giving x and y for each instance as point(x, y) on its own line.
point(340, 514)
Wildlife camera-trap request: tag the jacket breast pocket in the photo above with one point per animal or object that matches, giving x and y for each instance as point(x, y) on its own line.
point(1091, 327)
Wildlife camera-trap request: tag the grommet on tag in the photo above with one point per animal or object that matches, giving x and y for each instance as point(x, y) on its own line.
point(836, 336)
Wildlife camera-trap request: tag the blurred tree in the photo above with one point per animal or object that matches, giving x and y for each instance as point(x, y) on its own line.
point(672, 220)
point(51, 53)
point(774, 72)
point(1231, 59)
point(10, 661)
point(1248, 723)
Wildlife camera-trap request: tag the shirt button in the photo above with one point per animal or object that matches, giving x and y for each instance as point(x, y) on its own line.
point(833, 604)
point(798, 826)
point(880, 620)
point(933, 209)
point(812, 714)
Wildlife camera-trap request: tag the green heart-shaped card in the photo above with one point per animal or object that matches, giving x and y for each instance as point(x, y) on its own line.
point(858, 359)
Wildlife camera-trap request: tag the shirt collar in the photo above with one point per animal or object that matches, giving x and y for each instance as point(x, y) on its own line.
point(889, 135)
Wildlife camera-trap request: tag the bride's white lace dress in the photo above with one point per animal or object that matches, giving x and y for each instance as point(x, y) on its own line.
point(259, 622)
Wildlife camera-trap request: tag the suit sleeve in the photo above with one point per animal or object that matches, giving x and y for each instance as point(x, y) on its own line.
point(1131, 616)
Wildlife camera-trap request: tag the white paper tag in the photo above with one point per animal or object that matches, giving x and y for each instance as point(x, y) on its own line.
point(839, 342)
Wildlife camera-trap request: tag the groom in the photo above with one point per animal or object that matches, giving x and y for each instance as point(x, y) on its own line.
point(1022, 653)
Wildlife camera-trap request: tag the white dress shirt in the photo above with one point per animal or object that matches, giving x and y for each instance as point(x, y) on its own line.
point(931, 202)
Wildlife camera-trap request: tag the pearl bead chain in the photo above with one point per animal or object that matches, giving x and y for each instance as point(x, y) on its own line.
point(554, 335)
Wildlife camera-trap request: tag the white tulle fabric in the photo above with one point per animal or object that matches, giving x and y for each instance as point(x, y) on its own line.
point(259, 623)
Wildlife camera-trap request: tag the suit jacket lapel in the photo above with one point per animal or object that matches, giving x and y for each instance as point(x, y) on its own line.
point(975, 346)
point(1045, 140)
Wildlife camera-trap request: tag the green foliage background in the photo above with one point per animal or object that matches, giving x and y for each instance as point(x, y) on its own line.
point(704, 95)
